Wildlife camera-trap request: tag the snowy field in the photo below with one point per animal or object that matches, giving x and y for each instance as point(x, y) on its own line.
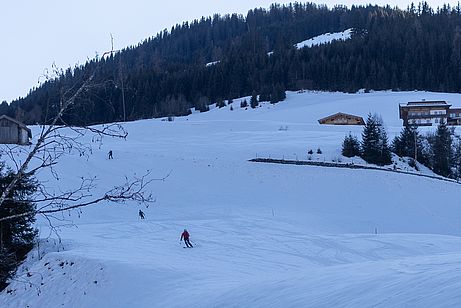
point(265, 235)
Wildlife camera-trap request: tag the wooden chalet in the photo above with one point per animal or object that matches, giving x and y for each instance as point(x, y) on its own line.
point(342, 119)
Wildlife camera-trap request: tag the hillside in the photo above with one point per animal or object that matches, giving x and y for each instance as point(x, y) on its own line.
point(167, 74)
point(265, 235)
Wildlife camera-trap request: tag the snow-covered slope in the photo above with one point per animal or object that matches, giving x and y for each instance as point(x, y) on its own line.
point(266, 235)
point(325, 39)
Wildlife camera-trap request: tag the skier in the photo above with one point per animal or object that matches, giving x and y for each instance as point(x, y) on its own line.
point(141, 214)
point(185, 235)
point(110, 155)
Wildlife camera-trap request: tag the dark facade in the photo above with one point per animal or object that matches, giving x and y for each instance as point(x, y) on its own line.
point(428, 113)
point(13, 132)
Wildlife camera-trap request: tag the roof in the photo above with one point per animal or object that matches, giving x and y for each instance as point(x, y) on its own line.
point(20, 124)
point(424, 102)
point(340, 114)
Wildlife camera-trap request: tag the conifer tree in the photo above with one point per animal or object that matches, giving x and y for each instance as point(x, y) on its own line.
point(17, 234)
point(408, 142)
point(374, 144)
point(456, 162)
point(254, 100)
point(351, 146)
point(442, 151)
point(220, 103)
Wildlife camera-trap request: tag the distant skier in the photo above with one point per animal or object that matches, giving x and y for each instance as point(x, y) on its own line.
point(141, 214)
point(185, 236)
point(110, 155)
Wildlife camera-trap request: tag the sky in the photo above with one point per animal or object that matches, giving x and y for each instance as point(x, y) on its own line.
point(34, 35)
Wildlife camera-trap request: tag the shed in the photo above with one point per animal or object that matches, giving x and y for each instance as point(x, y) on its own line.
point(342, 119)
point(13, 131)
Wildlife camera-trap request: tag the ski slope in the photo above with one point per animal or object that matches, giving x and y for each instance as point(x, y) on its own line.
point(265, 235)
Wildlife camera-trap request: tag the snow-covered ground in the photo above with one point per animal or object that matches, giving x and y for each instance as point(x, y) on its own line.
point(266, 235)
point(325, 39)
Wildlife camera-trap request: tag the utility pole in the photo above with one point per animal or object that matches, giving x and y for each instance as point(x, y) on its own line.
point(112, 51)
point(123, 88)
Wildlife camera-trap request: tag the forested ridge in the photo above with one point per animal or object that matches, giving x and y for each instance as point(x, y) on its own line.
point(166, 75)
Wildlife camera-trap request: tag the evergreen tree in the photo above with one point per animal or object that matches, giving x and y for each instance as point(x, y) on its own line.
point(243, 103)
point(351, 146)
point(254, 100)
point(220, 103)
point(408, 142)
point(16, 234)
point(277, 94)
point(457, 160)
point(374, 144)
point(442, 150)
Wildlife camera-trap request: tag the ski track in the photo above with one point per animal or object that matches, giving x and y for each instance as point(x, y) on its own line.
point(263, 235)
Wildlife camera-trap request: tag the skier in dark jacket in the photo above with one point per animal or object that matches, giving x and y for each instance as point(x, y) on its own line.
point(141, 214)
point(110, 155)
point(185, 236)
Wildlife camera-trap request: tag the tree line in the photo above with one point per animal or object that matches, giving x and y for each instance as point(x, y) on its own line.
point(166, 75)
point(440, 151)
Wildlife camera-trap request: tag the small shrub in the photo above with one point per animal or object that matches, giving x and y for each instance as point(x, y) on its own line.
point(310, 152)
point(319, 151)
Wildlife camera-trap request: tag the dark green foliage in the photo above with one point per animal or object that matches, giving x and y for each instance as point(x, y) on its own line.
point(319, 151)
point(166, 74)
point(254, 101)
point(456, 162)
point(351, 146)
point(374, 146)
point(220, 103)
point(310, 152)
point(406, 143)
point(442, 151)
point(265, 95)
point(243, 103)
point(16, 235)
point(277, 94)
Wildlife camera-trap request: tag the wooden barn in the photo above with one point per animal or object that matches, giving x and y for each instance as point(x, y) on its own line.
point(13, 132)
point(342, 119)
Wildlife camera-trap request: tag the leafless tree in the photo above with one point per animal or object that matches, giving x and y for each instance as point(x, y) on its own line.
point(56, 139)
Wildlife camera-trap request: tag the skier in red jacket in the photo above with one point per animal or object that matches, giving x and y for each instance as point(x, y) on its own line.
point(185, 236)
